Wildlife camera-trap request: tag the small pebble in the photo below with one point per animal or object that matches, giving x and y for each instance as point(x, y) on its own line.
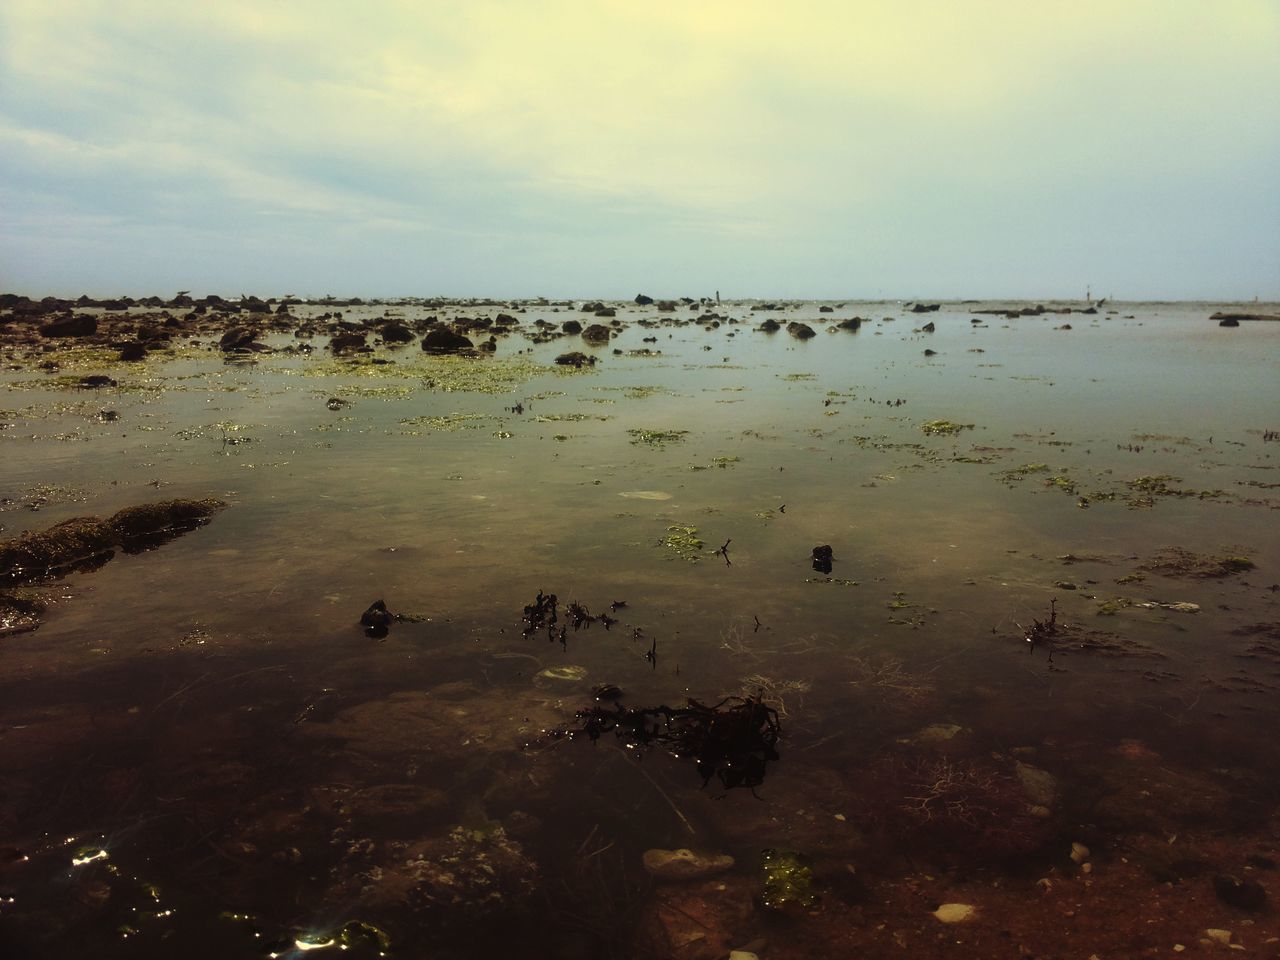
point(1079, 852)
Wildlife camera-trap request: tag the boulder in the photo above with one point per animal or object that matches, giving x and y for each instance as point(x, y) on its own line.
point(239, 340)
point(444, 340)
point(597, 333)
point(81, 325)
point(928, 327)
point(396, 332)
point(770, 325)
point(347, 342)
point(642, 300)
point(571, 326)
point(801, 331)
point(132, 351)
point(574, 359)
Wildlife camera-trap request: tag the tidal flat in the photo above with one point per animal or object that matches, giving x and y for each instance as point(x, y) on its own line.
point(789, 628)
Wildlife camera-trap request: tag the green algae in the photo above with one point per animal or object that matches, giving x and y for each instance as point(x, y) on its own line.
point(1061, 482)
point(657, 438)
point(570, 417)
point(684, 542)
point(788, 881)
point(1180, 562)
point(939, 428)
point(448, 423)
point(446, 374)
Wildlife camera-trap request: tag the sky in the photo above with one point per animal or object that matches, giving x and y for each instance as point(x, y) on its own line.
point(601, 148)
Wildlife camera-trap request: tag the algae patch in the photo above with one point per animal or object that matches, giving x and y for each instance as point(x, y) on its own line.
point(943, 428)
point(684, 542)
point(657, 438)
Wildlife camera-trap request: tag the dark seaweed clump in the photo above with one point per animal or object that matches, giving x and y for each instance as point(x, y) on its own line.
point(733, 741)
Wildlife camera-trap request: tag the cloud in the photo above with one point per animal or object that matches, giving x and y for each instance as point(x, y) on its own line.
point(707, 128)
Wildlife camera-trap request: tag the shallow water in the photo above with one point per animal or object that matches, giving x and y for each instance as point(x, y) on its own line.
point(211, 715)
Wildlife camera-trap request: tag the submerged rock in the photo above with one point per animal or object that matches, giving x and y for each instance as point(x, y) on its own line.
point(597, 333)
point(684, 864)
point(88, 541)
point(1243, 894)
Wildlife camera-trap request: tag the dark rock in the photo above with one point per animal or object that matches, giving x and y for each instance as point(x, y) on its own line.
point(667, 306)
point(81, 325)
point(95, 381)
point(377, 620)
point(592, 307)
point(1224, 322)
point(801, 331)
point(132, 350)
point(18, 614)
point(770, 325)
point(87, 541)
point(336, 403)
point(348, 342)
point(853, 323)
point(1243, 894)
point(642, 300)
point(826, 309)
point(925, 307)
point(239, 340)
point(597, 333)
point(606, 312)
point(1243, 316)
point(444, 340)
point(928, 327)
point(141, 528)
point(823, 558)
point(931, 353)
point(571, 326)
point(574, 359)
point(607, 691)
point(395, 332)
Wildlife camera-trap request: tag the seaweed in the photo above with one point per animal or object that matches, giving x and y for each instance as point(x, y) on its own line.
point(732, 741)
